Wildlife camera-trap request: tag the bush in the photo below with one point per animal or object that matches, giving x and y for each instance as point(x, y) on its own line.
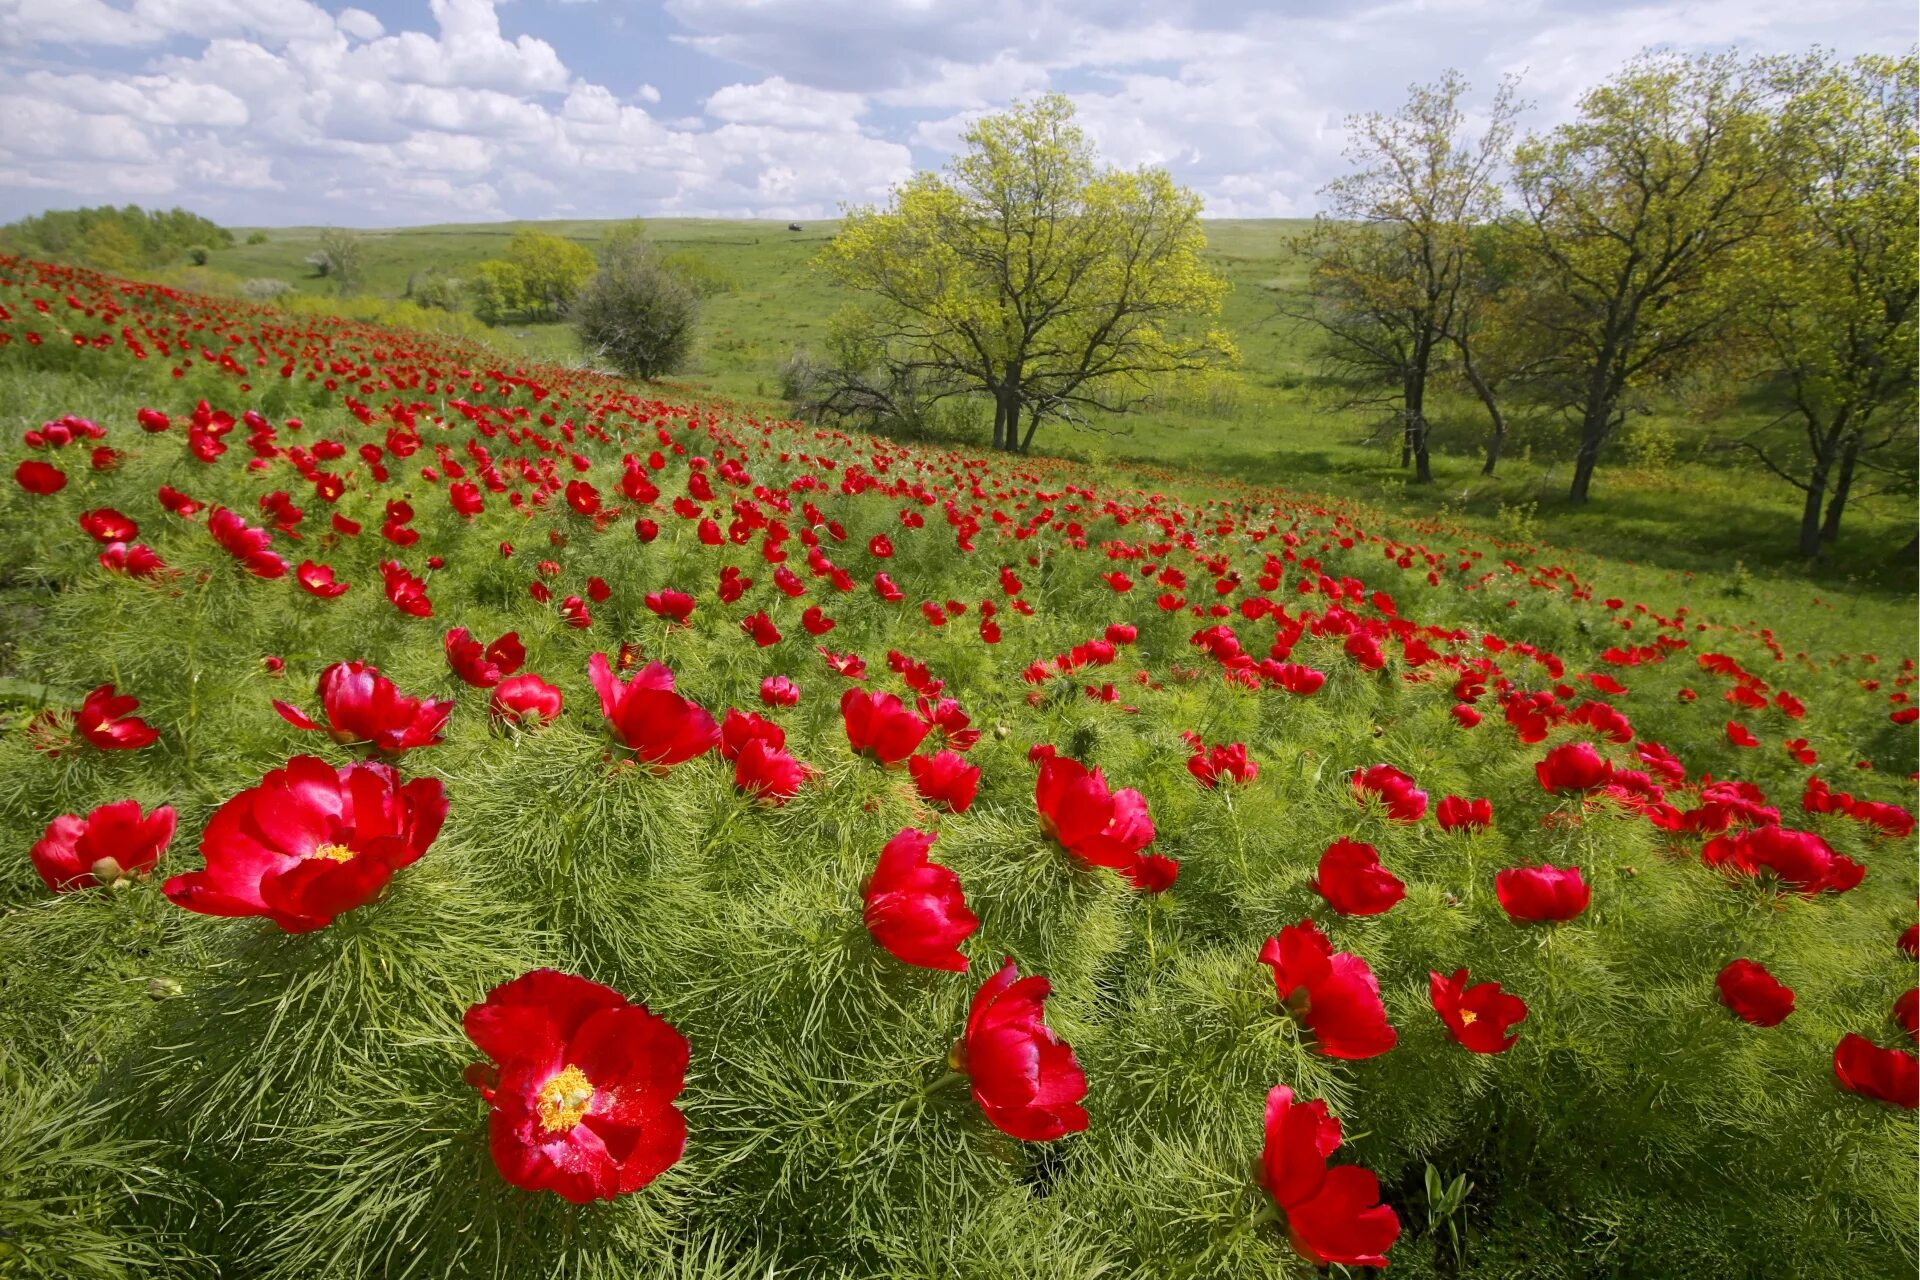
point(265, 289)
point(256, 237)
point(436, 291)
point(198, 254)
point(637, 315)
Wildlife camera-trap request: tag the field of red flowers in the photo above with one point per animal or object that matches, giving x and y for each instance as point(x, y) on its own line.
point(477, 820)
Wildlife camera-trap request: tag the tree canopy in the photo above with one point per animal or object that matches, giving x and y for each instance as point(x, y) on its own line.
point(1028, 274)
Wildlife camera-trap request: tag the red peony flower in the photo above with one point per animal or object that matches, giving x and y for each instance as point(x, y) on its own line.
point(778, 691)
point(1353, 882)
point(945, 779)
point(105, 720)
point(763, 770)
point(880, 727)
point(1333, 1214)
point(1456, 814)
point(742, 727)
point(317, 580)
point(1542, 893)
point(483, 668)
point(1741, 736)
point(761, 628)
point(1209, 766)
point(1754, 994)
point(915, 908)
point(675, 606)
point(1885, 1075)
point(1404, 802)
point(41, 478)
point(526, 700)
point(136, 561)
point(1910, 941)
point(104, 525)
point(310, 842)
point(1101, 828)
point(363, 706)
point(407, 593)
point(1334, 994)
point(111, 842)
point(1906, 1011)
point(1574, 767)
point(1478, 1016)
point(658, 725)
point(1025, 1078)
point(252, 547)
point(1798, 860)
point(581, 1086)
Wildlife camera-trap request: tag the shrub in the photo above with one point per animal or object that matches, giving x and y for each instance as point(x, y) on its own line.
point(256, 237)
point(637, 315)
point(265, 288)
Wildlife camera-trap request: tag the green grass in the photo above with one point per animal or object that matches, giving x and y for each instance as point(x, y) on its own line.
point(1671, 493)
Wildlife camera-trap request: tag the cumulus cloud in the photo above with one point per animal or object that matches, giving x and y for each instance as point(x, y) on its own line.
point(300, 111)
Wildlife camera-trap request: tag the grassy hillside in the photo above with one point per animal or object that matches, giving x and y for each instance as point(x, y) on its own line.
point(1672, 491)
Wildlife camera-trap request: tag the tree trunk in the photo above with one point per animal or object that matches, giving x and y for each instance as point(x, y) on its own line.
point(1842, 485)
point(1498, 438)
point(999, 424)
point(1810, 545)
point(1417, 430)
point(1033, 425)
point(1593, 433)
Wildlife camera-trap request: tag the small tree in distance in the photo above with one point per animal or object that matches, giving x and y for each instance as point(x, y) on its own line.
point(636, 314)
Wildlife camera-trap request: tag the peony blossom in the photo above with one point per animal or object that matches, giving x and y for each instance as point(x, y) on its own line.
point(1101, 828)
point(1332, 1214)
point(310, 842)
point(1572, 768)
point(1353, 882)
point(112, 841)
point(779, 691)
point(880, 727)
point(363, 706)
point(1479, 1016)
point(483, 666)
point(1885, 1075)
point(526, 700)
point(762, 770)
point(945, 779)
point(915, 908)
point(1456, 814)
point(1333, 994)
point(1754, 994)
point(1024, 1077)
point(105, 719)
point(658, 725)
point(1404, 802)
point(1541, 893)
point(581, 1086)
point(1798, 860)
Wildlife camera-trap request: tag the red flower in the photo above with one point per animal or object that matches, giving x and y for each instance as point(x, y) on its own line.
point(1754, 994)
point(1574, 767)
point(1741, 736)
point(880, 545)
point(1910, 941)
point(317, 580)
point(816, 621)
point(483, 668)
point(880, 727)
point(1799, 860)
point(1334, 994)
point(525, 700)
point(778, 691)
point(104, 525)
point(742, 727)
point(1353, 882)
point(1542, 893)
point(104, 719)
point(1477, 1016)
point(1333, 1214)
point(1906, 1011)
point(945, 779)
point(581, 1086)
point(658, 725)
point(1404, 801)
point(915, 908)
point(1229, 761)
point(761, 628)
point(310, 842)
point(1466, 714)
point(111, 842)
point(1025, 1078)
point(1885, 1075)
point(1152, 873)
point(1101, 828)
point(676, 606)
point(136, 561)
point(763, 770)
point(1456, 814)
point(407, 593)
point(363, 706)
point(39, 477)
point(250, 546)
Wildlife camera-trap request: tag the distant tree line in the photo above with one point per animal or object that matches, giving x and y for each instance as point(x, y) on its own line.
point(1702, 220)
point(111, 239)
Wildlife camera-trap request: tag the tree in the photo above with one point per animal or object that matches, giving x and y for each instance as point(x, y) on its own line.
point(345, 255)
point(1639, 212)
point(1491, 343)
point(1027, 274)
point(635, 313)
point(538, 277)
point(498, 290)
point(1834, 289)
point(1392, 253)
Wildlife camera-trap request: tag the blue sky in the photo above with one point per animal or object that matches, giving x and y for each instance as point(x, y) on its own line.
point(389, 112)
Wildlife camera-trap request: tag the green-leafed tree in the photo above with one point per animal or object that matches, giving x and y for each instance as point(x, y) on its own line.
point(1392, 253)
point(536, 279)
point(345, 254)
point(1028, 274)
point(1833, 290)
point(1640, 212)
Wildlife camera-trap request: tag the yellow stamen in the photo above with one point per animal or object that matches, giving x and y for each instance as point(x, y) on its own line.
point(1468, 1017)
point(564, 1099)
point(333, 853)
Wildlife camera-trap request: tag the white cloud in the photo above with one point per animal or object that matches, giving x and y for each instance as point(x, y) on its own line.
point(779, 101)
